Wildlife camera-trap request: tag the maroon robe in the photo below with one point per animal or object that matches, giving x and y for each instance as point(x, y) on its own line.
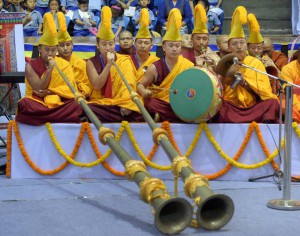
point(154, 105)
point(111, 113)
point(132, 51)
point(262, 112)
point(189, 54)
point(34, 113)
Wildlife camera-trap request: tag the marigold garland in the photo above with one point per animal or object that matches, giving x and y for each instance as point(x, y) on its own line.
point(236, 156)
point(107, 154)
point(8, 148)
point(166, 126)
point(233, 162)
point(296, 129)
point(30, 162)
point(263, 145)
point(140, 152)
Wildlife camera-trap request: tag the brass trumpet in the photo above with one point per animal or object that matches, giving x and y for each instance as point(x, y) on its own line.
point(172, 214)
point(214, 210)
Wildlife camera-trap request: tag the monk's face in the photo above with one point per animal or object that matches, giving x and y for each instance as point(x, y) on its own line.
point(223, 44)
point(106, 46)
point(65, 50)
point(238, 46)
point(187, 40)
point(255, 49)
point(126, 40)
point(200, 42)
point(47, 51)
point(268, 49)
point(172, 49)
point(143, 46)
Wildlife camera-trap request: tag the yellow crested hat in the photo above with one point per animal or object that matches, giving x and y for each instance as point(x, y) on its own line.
point(144, 32)
point(105, 32)
point(239, 18)
point(254, 30)
point(200, 20)
point(49, 31)
point(62, 34)
point(173, 26)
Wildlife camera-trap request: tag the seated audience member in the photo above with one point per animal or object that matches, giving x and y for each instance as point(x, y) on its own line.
point(213, 22)
point(13, 5)
point(155, 84)
point(215, 3)
point(65, 51)
point(117, 19)
point(126, 43)
point(291, 73)
point(69, 5)
point(2, 10)
point(42, 6)
point(252, 98)
point(83, 19)
point(110, 99)
point(96, 5)
point(255, 49)
point(48, 98)
point(201, 55)
point(54, 8)
point(32, 19)
point(142, 59)
point(136, 18)
point(185, 10)
point(222, 44)
point(279, 58)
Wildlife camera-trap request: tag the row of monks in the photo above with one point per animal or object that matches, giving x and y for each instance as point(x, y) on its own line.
point(247, 95)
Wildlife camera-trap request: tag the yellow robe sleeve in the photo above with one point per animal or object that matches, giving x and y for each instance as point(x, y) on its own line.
point(57, 85)
point(141, 71)
point(79, 68)
point(121, 95)
point(259, 83)
point(291, 73)
point(163, 94)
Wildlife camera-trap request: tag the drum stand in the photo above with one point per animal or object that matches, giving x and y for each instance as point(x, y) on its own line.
point(285, 203)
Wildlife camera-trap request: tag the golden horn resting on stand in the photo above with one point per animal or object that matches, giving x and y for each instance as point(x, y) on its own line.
point(214, 210)
point(172, 214)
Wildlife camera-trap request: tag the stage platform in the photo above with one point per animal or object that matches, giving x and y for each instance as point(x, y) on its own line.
point(211, 147)
point(76, 207)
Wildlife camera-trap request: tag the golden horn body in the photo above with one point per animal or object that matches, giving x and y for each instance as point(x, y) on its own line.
point(172, 214)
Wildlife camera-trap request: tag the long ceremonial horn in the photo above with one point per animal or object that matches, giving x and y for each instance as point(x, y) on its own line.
point(214, 210)
point(172, 214)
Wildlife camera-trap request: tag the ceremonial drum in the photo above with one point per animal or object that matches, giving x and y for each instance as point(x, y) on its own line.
point(196, 95)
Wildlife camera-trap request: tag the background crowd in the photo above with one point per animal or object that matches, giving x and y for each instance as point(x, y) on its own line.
point(83, 16)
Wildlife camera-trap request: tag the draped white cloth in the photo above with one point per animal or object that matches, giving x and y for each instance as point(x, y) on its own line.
point(204, 158)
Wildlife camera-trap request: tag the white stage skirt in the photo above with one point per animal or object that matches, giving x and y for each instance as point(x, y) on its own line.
point(205, 158)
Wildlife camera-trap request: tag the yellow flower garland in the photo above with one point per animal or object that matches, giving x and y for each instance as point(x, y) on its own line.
point(233, 162)
point(30, 162)
point(165, 125)
point(139, 151)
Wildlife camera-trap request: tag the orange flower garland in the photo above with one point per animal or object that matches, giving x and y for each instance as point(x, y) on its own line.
point(98, 154)
point(8, 148)
point(263, 145)
point(30, 162)
point(236, 156)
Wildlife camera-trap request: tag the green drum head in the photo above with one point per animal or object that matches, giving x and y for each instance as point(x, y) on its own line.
point(191, 94)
